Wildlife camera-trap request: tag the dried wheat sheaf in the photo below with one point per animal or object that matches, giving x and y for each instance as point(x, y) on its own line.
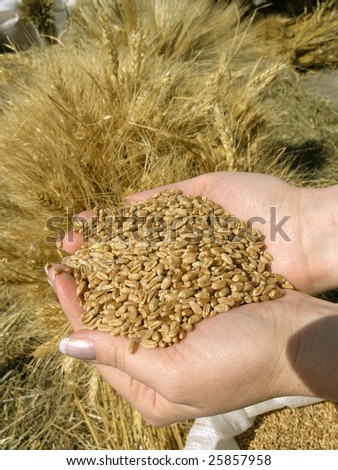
point(153, 269)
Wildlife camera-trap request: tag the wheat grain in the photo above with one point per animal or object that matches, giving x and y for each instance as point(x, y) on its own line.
point(153, 276)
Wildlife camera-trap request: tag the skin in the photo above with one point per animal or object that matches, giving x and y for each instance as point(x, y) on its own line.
point(252, 353)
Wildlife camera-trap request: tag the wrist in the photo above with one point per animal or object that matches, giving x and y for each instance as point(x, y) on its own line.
point(309, 362)
point(319, 218)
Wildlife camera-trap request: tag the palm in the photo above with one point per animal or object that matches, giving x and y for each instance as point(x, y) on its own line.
point(265, 197)
point(219, 358)
point(218, 365)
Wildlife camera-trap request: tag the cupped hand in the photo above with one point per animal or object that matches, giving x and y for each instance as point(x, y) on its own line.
point(250, 354)
point(299, 225)
point(232, 360)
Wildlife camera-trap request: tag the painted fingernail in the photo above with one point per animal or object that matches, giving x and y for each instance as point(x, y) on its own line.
point(52, 273)
point(59, 244)
point(47, 267)
point(56, 271)
point(78, 348)
point(126, 198)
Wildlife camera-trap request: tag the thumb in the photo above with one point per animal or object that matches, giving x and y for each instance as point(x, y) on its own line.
point(194, 186)
point(104, 349)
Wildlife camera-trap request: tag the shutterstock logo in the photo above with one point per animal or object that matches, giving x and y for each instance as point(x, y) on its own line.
point(156, 228)
point(275, 228)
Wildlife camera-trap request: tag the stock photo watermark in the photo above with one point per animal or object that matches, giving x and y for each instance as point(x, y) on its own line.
point(158, 228)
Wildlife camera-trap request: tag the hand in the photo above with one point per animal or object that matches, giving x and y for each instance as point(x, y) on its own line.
point(300, 225)
point(247, 355)
point(235, 359)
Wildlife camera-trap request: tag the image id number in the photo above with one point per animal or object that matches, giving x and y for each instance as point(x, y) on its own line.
point(240, 459)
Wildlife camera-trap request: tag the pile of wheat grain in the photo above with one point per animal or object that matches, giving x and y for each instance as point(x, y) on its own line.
point(153, 269)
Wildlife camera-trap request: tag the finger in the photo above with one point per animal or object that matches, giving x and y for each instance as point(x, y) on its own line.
point(140, 395)
point(72, 241)
point(65, 287)
point(153, 407)
point(194, 186)
point(223, 188)
point(145, 366)
point(131, 379)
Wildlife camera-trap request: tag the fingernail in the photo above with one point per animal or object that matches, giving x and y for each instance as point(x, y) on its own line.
point(47, 267)
point(55, 271)
point(126, 198)
point(59, 244)
point(78, 348)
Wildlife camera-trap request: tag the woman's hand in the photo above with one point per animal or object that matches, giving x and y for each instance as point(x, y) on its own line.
point(247, 355)
point(300, 225)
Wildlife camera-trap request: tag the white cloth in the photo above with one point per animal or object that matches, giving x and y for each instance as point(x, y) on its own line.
point(218, 432)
